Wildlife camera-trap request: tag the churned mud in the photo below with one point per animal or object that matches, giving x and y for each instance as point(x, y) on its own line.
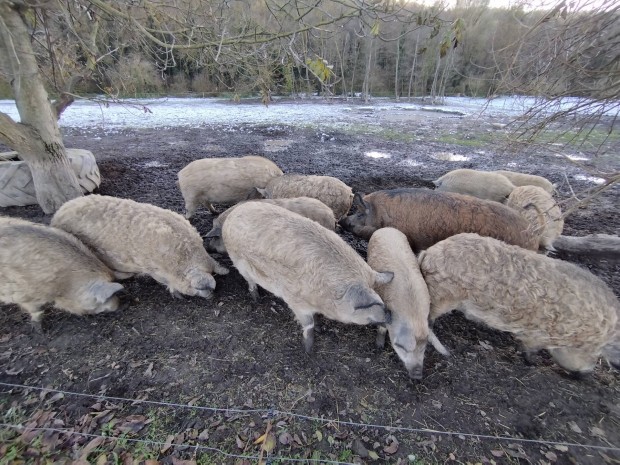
point(228, 352)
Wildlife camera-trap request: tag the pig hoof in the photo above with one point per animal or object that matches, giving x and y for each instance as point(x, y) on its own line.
point(254, 294)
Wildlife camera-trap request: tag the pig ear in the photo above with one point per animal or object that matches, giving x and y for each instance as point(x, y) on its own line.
point(361, 297)
point(102, 291)
point(215, 232)
point(384, 277)
point(358, 202)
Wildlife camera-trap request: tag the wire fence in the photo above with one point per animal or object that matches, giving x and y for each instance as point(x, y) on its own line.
point(272, 412)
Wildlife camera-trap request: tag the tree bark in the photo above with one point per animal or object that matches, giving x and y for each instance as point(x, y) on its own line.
point(37, 137)
point(602, 245)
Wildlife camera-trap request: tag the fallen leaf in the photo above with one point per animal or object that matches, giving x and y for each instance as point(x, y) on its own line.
point(270, 443)
point(595, 431)
point(103, 458)
point(260, 439)
point(551, 456)
point(151, 462)
point(285, 438)
point(240, 443)
point(91, 446)
point(574, 427)
point(176, 461)
point(497, 453)
point(149, 371)
point(133, 424)
point(167, 444)
point(373, 455)
point(318, 435)
point(392, 448)
point(297, 439)
point(330, 440)
point(561, 448)
point(14, 372)
point(193, 401)
point(204, 435)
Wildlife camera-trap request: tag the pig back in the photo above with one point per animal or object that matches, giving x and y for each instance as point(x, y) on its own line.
point(427, 217)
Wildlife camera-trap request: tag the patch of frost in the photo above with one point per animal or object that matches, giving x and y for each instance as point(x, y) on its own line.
point(375, 154)
point(572, 157)
point(448, 156)
point(592, 179)
point(155, 164)
point(410, 162)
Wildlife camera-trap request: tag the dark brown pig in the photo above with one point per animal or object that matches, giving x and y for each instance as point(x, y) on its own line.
point(427, 217)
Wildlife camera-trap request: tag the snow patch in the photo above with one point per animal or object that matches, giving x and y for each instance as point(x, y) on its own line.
point(375, 154)
point(449, 156)
point(155, 164)
point(572, 157)
point(410, 162)
point(592, 179)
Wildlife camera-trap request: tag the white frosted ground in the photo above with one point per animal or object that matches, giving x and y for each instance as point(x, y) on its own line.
point(192, 112)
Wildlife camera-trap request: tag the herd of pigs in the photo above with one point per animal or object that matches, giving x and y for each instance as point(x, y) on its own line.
point(472, 244)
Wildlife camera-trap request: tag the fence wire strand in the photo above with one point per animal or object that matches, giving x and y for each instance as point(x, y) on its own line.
point(274, 412)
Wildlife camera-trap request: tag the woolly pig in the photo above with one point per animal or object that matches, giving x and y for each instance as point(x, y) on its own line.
point(426, 217)
point(138, 238)
point(545, 303)
point(311, 268)
point(331, 191)
point(541, 210)
point(223, 180)
point(304, 206)
point(522, 179)
point(481, 184)
point(407, 298)
point(40, 264)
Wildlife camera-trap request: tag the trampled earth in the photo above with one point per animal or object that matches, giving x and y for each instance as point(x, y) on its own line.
point(228, 352)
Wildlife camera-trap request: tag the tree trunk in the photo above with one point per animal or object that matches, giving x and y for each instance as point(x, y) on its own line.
point(602, 245)
point(37, 138)
point(396, 92)
point(366, 84)
point(415, 57)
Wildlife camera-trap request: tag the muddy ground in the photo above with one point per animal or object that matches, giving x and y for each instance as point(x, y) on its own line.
point(231, 353)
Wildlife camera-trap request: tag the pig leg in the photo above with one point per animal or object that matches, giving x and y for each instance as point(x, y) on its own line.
point(380, 341)
point(36, 314)
point(306, 320)
point(211, 208)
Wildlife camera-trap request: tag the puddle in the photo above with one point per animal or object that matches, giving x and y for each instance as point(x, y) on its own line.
point(449, 156)
point(155, 164)
point(592, 179)
point(375, 154)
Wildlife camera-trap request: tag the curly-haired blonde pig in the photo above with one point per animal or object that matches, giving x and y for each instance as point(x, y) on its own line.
point(40, 264)
point(304, 206)
point(545, 303)
point(331, 191)
point(541, 210)
point(427, 216)
point(138, 238)
point(311, 268)
point(223, 180)
point(407, 298)
point(523, 179)
point(481, 184)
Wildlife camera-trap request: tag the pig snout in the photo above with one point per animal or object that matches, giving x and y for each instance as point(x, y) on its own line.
point(415, 372)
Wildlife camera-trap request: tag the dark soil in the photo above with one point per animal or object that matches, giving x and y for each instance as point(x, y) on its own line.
point(230, 352)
